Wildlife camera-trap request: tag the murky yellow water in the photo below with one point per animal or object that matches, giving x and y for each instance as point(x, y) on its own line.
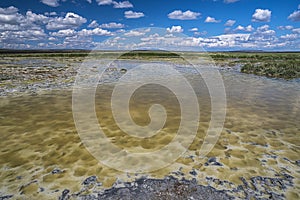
point(261, 137)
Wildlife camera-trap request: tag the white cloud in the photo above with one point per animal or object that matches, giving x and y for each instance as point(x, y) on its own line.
point(70, 21)
point(296, 30)
point(230, 23)
point(211, 20)
point(52, 38)
point(193, 29)
point(122, 4)
point(263, 37)
point(240, 28)
point(295, 16)
point(248, 28)
point(15, 37)
point(288, 27)
point(52, 3)
point(230, 1)
point(9, 10)
point(134, 33)
point(96, 31)
point(64, 33)
point(104, 2)
point(93, 24)
point(175, 29)
point(51, 13)
point(112, 25)
point(10, 15)
point(290, 36)
point(90, 1)
point(133, 15)
point(263, 28)
point(261, 15)
point(187, 15)
point(36, 18)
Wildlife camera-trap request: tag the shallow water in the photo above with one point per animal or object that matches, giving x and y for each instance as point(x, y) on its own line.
point(261, 137)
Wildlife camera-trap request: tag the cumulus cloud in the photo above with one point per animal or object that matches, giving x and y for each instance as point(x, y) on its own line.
point(9, 11)
point(123, 4)
point(248, 28)
point(36, 18)
point(90, 1)
point(290, 36)
point(175, 29)
point(193, 29)
point(261, 15)
point(93, 24)
point(296, 30)
point(211, 20)
point(230, 22)
point(230, 1)
point(134, 33)
point(133, 15)
point(295, 16)
point(64, 33)
point(104, 2)
point(187, 15)
point(112, 25)
point(288, 27)
point(96, 31)
point(70, 21)
point(9, 15)
point(52, 3)
point(21, 36)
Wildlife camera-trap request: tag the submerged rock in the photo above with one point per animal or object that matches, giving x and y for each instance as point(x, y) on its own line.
point(90, 180)
point(65, 195)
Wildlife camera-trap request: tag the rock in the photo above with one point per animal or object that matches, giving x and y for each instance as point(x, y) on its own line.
point(212, 159)
point(64, 195)
point(217, 164)
point(123, 71)
point(56, 171)
point(90, 180)
point(6, 197)
point(193, 172)
point(228, 131)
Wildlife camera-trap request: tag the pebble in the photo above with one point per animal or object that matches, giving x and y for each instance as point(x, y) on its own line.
point(90, 180)
point(6, 197)
point(56, 171)
point(64, 195)
point(193, 172)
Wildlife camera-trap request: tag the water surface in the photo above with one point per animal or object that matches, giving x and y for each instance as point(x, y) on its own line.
point(261, 137)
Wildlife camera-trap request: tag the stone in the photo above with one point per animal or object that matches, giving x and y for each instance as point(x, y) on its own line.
point(90, 180)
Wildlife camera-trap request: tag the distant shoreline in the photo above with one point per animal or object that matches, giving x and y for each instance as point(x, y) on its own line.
point(22, 51)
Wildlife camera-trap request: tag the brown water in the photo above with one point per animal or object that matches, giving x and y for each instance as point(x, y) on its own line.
point(261, 137)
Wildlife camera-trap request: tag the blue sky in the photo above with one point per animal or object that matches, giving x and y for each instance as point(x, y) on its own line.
point(212, 24)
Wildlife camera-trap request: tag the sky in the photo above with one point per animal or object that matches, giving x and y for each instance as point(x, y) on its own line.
point(214, 25)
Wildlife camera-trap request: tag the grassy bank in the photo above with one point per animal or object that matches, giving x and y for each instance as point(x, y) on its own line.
point(276, 64)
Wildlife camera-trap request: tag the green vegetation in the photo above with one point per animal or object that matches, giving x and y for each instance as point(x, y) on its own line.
point(276, 64)
point(286, 70)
